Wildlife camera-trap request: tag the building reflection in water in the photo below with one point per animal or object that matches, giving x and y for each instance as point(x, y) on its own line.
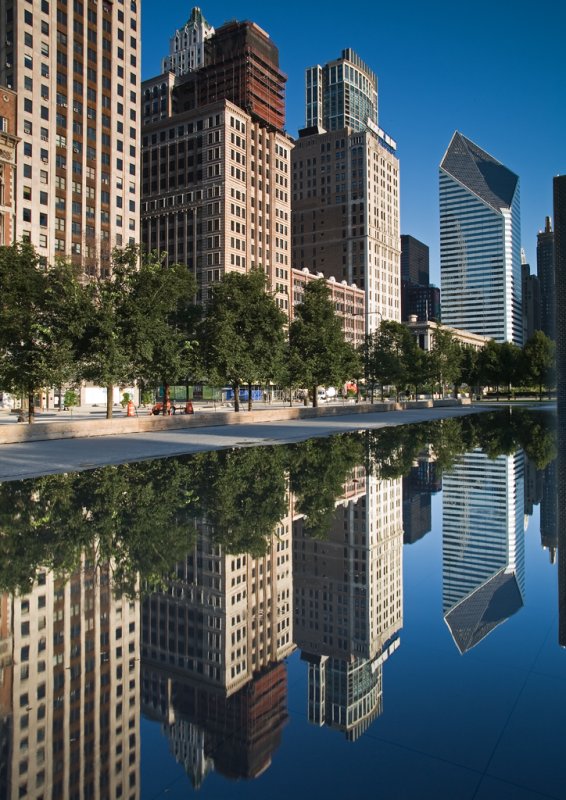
point(349, 604)
point(212, 645)
point(422, 481)
point(482, 545)
point(69, 689)
point(561, 524)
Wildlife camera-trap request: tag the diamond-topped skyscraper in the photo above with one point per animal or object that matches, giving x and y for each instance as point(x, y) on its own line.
point(480, 247)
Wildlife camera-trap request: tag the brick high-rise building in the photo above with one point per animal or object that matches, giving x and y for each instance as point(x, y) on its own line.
point(75, 68)
point(215, 178)
point(346, 189)
point(8, 144)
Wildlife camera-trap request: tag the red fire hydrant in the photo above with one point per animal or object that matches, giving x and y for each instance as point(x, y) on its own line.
point(130, 410)
point(189, 408)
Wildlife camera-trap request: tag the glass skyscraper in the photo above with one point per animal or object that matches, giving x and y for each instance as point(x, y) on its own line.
point(480, 247)
point(341, 94)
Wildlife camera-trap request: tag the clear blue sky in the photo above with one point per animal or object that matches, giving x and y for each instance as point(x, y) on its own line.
point(496, 71)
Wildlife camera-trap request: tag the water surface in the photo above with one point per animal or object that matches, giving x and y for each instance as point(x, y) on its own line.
point(379, 612)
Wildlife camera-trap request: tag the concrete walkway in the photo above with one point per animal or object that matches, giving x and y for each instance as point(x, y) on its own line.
point(31, 459)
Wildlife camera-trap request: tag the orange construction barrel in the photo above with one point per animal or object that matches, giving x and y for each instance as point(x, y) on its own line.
point(189, 408)
point(130, 410)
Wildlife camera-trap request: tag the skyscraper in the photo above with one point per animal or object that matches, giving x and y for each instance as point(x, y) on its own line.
point(346, 187)
point(341, 94)
point(545, 274)
point(215, 188)
point(480, 249)
point(414, 260)
point(560, 283)
point(186, 47)
point(75, 69)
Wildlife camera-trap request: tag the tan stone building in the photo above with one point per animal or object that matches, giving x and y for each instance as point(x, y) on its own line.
point(216, 163)
point(346, 214)
point(424, 334)
point(75, 68)
point(216, 195)
point(8, 145)
point(349, 302)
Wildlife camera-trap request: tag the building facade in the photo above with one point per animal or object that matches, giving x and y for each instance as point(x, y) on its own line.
point(186, 47)
point(531, 301)
point(545, 274)
point(480, 250)
point(415, 261)
point(559, 192)
point(346, 215)
point(341, 94)
point(349, 302)
point(75, 69)
point(8, 148)
point(345, 179)
point(216, 163)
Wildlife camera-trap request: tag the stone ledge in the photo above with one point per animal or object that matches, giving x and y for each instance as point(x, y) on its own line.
point(85, 429)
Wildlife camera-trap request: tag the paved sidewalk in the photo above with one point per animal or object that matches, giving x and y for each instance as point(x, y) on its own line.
point(30, 459)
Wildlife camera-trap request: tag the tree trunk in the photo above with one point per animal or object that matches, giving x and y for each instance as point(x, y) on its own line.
point(236, 387)
point(109, 399)
point(31, 409)
point(60, 399)
point(540, 392)
point(249, 396)
point(166, 396)
point(314, 397)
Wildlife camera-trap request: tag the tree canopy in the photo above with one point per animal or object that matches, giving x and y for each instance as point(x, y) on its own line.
point(318, 351)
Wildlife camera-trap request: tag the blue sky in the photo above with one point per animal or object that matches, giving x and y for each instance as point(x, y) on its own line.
point(496, 71)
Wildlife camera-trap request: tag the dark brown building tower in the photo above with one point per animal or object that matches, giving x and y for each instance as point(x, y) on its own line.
point(241, 64)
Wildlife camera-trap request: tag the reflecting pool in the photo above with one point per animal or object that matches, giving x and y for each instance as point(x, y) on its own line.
point(379, 612)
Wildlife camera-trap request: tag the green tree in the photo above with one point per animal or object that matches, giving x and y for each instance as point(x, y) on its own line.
point(138, 323)
point(539, 355)
point(318, 349)
point(40, 319)
point(389, 353)
point(510, 365)
point(445, 356)
point(468, 373)
point(161, 320)
point(488, 365)
point(242, 334)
